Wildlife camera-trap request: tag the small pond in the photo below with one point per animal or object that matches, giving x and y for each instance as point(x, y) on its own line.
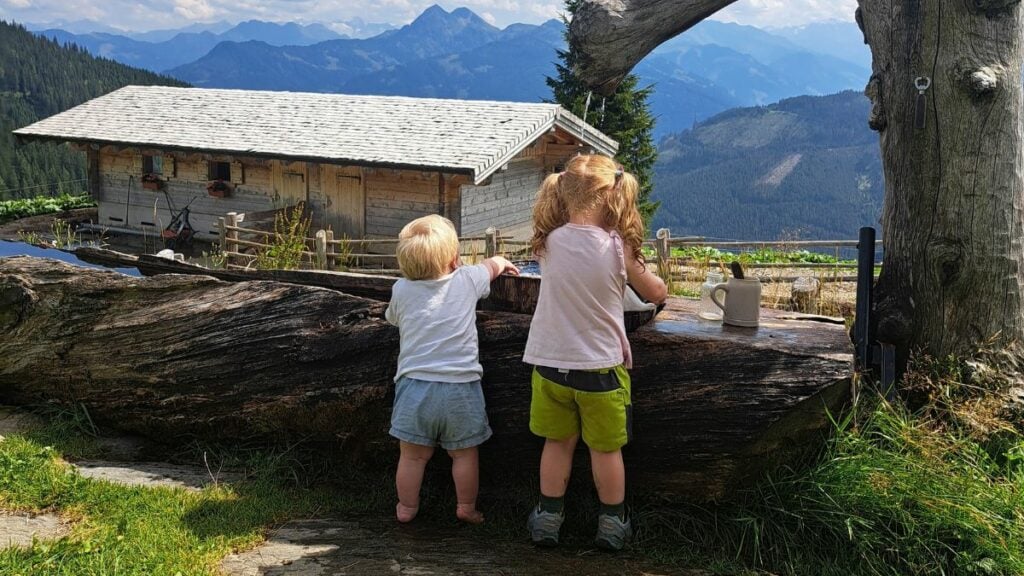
point(8, 248)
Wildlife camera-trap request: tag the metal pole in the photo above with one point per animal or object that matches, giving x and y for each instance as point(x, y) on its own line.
point(863, 339)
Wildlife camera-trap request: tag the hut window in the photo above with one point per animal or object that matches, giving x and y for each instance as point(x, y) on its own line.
point(152, 164)
point(220, 171)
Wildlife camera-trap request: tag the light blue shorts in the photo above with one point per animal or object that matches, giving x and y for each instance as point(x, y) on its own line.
point(449, 414)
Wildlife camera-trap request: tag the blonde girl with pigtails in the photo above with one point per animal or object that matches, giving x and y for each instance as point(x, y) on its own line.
point(587, 235)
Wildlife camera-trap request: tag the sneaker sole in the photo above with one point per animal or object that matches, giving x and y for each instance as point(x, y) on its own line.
point(606, 545)
point(546, 542)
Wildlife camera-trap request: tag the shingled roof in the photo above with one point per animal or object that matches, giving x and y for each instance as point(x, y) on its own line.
point(458, 136)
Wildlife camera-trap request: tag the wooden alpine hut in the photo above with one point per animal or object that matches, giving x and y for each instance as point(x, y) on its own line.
point(364, 165)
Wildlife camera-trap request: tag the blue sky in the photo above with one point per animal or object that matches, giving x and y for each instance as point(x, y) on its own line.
point(153, 14)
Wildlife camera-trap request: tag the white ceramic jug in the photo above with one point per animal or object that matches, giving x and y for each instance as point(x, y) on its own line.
point(743, 306)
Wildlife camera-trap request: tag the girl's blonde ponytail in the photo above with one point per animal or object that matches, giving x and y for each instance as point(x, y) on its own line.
point(549, 213)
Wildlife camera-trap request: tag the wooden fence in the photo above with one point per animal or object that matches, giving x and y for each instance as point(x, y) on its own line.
point(243, 246)
point(683, 268)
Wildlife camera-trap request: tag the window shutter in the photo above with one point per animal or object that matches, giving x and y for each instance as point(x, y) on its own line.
point(169, 167)
point(137, 164)
point(237, 173)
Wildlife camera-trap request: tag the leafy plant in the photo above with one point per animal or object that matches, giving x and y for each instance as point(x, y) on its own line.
point(287, 248)
point(64, 235)
point(23, 208)
point(30, 237)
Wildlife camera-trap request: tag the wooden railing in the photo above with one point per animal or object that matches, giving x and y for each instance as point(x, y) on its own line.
point(670, 267)
point(242, 246)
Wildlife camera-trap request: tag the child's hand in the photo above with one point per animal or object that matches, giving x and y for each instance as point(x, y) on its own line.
point(509, 268)
point(499, 265)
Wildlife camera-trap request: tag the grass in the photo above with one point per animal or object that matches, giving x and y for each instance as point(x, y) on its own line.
point(933, 489)
point(23, 208)
point(150, 531)
point(934, 485)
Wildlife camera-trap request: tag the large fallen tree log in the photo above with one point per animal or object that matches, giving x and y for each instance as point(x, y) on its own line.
point(176, 356)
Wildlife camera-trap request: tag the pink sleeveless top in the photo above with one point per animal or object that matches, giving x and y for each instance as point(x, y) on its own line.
point(578, 324)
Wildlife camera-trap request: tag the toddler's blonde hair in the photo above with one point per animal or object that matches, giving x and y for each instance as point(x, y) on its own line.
point(427, 247)
point(589, 183)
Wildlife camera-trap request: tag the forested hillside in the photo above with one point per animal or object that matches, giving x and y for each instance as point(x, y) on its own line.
point(39, 78)
point(807, 167)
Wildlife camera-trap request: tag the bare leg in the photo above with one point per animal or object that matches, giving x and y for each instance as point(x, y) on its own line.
point(556, 466)
point(411, 462)
point(466, 474)
point(609, 476)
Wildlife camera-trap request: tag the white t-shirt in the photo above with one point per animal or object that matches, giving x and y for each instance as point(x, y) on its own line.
point(437, 323)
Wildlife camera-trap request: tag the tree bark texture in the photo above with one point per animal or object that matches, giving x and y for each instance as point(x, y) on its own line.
point(176, 356)
point(611, 36)
point(954, 197)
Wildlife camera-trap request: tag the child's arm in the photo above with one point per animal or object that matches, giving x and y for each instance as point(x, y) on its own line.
point(389, 314)
point(497, 265)
point(646, 283)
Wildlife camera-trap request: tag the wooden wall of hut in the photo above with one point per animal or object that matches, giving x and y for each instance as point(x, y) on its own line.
point(354, 202)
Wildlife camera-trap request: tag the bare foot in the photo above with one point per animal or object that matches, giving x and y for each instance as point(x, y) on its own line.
point(469, 514)
point(405, 513)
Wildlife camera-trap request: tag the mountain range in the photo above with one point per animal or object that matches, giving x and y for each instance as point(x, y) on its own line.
point(711, 68)
point(806, 167)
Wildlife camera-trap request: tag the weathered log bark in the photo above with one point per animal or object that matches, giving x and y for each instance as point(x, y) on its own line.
point(953, 217)
point(172, 356)
point(611, 36)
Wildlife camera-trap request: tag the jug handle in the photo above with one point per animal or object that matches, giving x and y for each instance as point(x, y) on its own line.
point(714, 294)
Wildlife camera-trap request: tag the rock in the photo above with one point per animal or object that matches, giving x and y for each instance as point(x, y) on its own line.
point(14, 421)
point(805, 295)
point(18, 530)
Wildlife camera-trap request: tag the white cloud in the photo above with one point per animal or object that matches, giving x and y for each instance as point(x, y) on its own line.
point(779, 13)
point(489, 18)
point(18, 3)
point(194, 9)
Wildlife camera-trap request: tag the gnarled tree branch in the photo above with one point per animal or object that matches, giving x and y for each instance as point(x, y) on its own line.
point(613, 35)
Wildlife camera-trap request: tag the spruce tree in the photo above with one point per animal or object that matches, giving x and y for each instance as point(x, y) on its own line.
point(624, 116)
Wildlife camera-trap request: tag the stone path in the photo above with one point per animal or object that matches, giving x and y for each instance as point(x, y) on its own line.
point(381, 547)
point(152, 474)
point(20, 529)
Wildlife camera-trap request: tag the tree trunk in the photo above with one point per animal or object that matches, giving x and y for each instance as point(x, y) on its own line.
point(612, 36)
point(172, 356)
point(952, 220)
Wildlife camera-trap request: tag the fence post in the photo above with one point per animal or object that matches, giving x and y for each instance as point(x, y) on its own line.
point(232, 221)
point(331, 251)
point(490, 242)
point(223, 240)
point(320, 248)
point(664, 254)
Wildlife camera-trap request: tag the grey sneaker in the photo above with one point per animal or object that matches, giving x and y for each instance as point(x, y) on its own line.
point(544, 527)
point(612, 533)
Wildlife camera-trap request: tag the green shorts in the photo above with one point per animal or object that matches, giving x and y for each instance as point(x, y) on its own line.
point(593, 403)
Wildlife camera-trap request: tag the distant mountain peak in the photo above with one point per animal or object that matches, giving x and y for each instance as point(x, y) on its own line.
point(437, 16)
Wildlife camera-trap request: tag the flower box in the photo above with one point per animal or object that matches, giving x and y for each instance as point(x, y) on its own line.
point(218, 189)
point(152, 182)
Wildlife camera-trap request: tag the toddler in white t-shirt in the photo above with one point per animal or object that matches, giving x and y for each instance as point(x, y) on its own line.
point(438, 397)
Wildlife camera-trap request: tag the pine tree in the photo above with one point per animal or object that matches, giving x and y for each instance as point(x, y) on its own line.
point(624, 116)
